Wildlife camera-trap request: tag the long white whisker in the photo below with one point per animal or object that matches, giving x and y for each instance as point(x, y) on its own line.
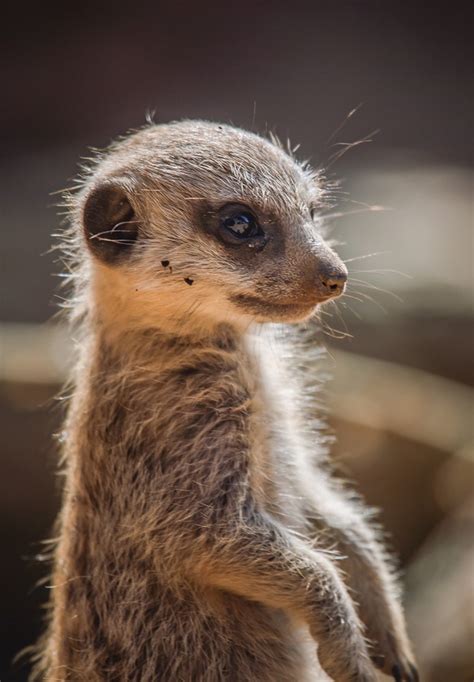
point(344, 122)
point(367, 255)
point(382, 271)
point(372, 300)
point(369, 285)
point(347, 146)
point(346, 305)
point(355, 211)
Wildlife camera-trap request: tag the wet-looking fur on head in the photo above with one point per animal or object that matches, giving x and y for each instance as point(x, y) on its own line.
point(153, 212)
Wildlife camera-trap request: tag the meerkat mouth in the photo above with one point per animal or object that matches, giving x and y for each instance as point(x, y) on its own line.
point(259, 306)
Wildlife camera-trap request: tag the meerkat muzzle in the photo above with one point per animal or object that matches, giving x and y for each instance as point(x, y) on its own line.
point(333, 283)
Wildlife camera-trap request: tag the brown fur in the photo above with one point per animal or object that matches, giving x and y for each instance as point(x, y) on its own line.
point(200, 534)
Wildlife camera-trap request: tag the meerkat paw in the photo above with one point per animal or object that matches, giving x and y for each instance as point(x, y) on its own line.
point(354, 666)
point(393, 656)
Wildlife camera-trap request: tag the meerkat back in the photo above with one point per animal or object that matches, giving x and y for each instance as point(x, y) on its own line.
point(194, 528)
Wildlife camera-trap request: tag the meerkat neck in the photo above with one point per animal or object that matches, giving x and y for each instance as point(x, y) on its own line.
point(153, 348)
point(150, 364)
point(130, 393)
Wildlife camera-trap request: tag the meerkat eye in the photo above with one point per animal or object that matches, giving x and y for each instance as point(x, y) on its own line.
point(312, 212)
point(242, 224)
point(239, 223)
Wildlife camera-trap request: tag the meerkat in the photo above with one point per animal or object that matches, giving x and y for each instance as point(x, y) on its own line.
point(202, 537)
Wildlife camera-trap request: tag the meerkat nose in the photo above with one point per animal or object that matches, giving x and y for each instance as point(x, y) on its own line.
point(333, 279)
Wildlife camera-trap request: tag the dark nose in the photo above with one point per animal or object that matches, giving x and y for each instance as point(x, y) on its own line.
point(333, 280)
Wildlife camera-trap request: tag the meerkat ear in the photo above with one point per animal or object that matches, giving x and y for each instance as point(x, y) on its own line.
point(110, 223)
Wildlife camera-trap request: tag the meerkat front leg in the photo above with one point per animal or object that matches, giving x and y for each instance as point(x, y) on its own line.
point(340, 522)
point(262, 562)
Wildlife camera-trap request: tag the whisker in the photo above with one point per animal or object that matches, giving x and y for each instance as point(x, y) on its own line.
point(344, 122)
point(128, 242)
point(372, 300)
point(330, 331)
point(347, 146)
point(383, 271)
point(370, 285)
point(355, 211)
point(100, 237)
point(254, 114)
point(124, 222)
point(354, 298)
point(367, 255)
point(346, 305)
point(336, 333)
point(339, 316)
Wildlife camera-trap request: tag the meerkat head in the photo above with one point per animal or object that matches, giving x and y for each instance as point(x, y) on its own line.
point(198, 223)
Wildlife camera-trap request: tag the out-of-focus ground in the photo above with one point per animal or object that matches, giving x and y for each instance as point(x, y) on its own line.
point(401, 396)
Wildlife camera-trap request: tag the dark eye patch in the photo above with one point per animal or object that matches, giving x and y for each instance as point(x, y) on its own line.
point(267, 233)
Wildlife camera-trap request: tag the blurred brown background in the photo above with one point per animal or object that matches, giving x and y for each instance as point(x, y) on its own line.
point(401, 400)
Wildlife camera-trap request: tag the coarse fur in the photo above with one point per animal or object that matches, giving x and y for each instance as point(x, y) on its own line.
point(201, 536)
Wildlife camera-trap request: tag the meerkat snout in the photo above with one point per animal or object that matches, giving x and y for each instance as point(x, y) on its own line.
point(333, 283)
point(331, 277)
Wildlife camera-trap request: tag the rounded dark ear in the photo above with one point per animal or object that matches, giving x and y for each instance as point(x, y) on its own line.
point(110, 223)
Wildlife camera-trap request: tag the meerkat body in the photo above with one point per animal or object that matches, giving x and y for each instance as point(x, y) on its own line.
point(196, 523)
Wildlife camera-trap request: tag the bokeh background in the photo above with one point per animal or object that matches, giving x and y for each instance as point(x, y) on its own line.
point(328, 75)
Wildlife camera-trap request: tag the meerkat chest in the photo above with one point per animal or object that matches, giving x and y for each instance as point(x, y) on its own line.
point(227, 418)
point(205, 425)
